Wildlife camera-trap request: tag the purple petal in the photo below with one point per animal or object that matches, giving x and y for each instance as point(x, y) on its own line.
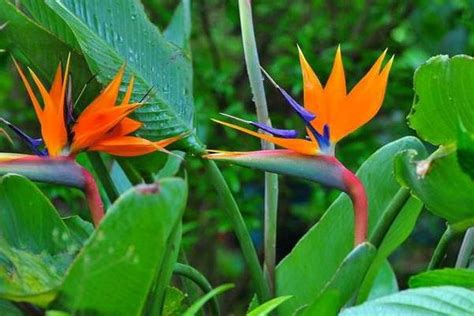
point(285, 133)
point(69, 103)
point(32, 143)
point(302, 112)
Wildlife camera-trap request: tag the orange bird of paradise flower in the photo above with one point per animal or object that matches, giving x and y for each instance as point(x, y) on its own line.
point(102, 126)
point(329, 113)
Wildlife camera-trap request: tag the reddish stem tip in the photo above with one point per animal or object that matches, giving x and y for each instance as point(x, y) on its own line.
point(356, 191)
point(93, 198)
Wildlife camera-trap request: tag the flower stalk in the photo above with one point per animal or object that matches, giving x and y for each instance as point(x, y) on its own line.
point(271, 180)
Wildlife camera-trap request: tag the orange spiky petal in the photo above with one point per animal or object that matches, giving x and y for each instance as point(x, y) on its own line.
point(93, 127)
point(129, 146)
point(335, 89)
point(299, 145)
point(108, 96)
point(125, 127)
point(57, 86)
point(313, 95)
point(31, 94)
point(53, 127)
point(363, 102)
point(128, 94)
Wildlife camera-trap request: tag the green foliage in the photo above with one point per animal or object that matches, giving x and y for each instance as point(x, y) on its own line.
point(346, 280)
point(465, 151)
point(385, 282)
point(30, 47)
point(126, 264)
point(196, 306)
point(445, 189)
point(126, 254)
point(267, 307)
point(36, 245)
point(325, 245)
point(441, 300)
point(399, 231)
point(456, 277)
point(174, 302)
point(444, 97)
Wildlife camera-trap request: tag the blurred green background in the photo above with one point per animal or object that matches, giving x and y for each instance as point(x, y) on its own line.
point(411, 30)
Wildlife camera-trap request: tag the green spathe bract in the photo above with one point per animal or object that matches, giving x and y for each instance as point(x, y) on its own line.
point(315, 259)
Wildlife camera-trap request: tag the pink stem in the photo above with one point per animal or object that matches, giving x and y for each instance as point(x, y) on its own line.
point(93, 198)
point(356, 191)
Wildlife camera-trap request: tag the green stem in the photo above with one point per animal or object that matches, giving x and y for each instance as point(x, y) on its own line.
point(103, 174)
point(466, 249)
point(194, 275)
point(388, 216)
point(271, 180)
point(440, 249)
point(132, 175)
point(240, 229)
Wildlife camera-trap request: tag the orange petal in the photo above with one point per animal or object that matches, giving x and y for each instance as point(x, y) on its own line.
point(128, 94)
point(53, 127)
point(125, 127)
point(108, 96)
point(56, 87)
point(129, 146)
point(313, 95)
point(363, 102)
point(335, 89)
point(34, 100)
point(92, 128)
point(302, 146)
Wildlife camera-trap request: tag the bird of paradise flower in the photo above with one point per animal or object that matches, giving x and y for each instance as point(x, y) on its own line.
point(329, 114)
point(102, 126)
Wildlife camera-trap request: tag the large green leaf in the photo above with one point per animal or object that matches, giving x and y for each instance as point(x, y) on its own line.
point(430, 301)
point(46, 17)
point(115, 271)
point(38, 48)
point(345, 281)
point(36, 245)
point(314, 260)
point(440, 184)
point(112, 33)
point(457, 277)
point(444, 90)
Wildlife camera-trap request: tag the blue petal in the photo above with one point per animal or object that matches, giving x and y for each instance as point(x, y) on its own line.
point(32, 143)
point(284, 133)
point(302, 112)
